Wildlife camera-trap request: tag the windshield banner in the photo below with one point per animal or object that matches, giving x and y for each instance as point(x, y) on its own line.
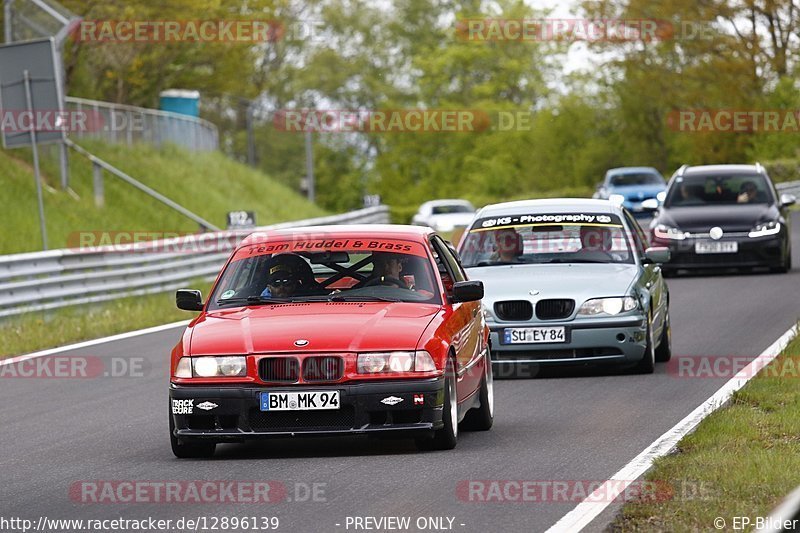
point(541, 219)
point(311, 244)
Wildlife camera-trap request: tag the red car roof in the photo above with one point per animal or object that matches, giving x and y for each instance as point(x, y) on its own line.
point(387, 231)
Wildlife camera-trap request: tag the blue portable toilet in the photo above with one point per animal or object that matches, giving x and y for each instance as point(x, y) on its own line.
point(181, 101)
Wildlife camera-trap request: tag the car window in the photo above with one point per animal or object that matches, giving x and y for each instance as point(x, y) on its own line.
point(719, 189)
point(447, 209)
point(450, 260)
point(546, 238)
point(328, 269)
point(638, 236)
point(648, 178)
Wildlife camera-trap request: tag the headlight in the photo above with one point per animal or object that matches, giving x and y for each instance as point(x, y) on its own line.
point(617, 199)
point(661, 196)
point(375, 363)
point(489, 315)
point(608, 306)
point(665, 232)
point(765, 228)
point(215, 367)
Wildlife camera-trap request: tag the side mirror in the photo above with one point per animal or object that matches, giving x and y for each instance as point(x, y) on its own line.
point(189, 300)
point(467, 291)
point(651, 204)
point(657, 255)
point(788, 199)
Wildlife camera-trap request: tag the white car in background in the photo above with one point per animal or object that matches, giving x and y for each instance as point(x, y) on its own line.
point(444, 215)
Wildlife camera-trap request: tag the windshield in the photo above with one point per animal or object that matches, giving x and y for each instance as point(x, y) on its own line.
point(622, 180)
point(335, 269)
point(689, 191)
point(546, 238)
point(454, 208)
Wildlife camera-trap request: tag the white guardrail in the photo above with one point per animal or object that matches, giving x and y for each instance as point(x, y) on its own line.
point(60, 278)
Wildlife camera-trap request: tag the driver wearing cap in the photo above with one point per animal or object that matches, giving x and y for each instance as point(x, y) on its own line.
point(281, 283)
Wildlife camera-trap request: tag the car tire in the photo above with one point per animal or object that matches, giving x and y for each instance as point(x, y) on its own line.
point(184, 450)
point(447, 437)
point(481, 418)
point(648, 363)
point(664, 349)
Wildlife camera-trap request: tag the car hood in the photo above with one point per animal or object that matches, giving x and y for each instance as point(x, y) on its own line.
point(451, 219)
point(700, 219)
point(577, 281)
point(329, 326)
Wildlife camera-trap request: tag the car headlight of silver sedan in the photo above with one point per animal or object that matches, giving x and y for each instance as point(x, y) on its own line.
point(607, 306)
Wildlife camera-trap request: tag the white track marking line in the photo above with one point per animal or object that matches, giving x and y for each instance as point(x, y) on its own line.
point(594, 504)
point(93, 342)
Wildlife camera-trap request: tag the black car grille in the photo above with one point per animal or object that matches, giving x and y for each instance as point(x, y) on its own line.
point(513, 310)
point(279, 369)
point(323, 368)
point(343, 418)
point(554, 309)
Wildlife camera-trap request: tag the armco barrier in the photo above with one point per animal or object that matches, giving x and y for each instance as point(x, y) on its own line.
point(61, 278)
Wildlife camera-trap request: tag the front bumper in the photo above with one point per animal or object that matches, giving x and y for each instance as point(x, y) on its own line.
point(752, 252)
point(237, 415)
point(593, 340)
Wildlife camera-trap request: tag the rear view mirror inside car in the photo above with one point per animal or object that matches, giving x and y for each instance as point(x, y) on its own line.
point(322, 258)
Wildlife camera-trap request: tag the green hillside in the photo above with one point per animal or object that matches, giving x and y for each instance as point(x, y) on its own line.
point(208, 184)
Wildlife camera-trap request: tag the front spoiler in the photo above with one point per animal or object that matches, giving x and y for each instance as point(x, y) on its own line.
point(237, 417)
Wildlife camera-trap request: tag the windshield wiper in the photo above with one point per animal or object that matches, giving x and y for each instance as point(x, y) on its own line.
point(254, 300)
point(340, 297)
point(563, 261)
point(494, 263)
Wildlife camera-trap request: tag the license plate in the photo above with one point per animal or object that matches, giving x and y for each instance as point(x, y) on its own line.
point(534, 335)
point(299, 401)
point(728, 247)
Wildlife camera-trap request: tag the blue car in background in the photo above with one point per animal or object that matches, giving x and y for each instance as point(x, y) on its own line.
point(631, 187)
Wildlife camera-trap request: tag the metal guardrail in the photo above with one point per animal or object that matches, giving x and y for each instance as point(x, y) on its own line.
point(127, 124)
point(60, 278)
point(789, 187)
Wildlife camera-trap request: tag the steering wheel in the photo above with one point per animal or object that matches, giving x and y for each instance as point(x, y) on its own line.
point(385, 280)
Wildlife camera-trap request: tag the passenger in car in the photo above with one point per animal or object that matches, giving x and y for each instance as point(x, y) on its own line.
point(748, 193)
point(508, 244)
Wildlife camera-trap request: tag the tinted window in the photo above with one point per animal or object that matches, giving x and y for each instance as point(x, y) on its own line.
point(687, 191)
point(546, 238)
point(446, 209)
point(622, 180)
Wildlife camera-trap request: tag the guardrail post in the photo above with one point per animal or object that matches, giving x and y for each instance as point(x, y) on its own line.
point(97, 180)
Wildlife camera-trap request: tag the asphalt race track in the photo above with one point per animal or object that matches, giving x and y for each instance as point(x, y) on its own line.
point(566, 425)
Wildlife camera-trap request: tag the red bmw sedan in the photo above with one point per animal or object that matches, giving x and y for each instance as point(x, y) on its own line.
point(334, 330)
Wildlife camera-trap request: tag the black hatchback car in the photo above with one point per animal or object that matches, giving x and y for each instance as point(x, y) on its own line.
point(722, 216)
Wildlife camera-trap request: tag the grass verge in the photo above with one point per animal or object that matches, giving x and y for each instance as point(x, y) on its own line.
point(209, 184)
point(741, 461)
point(42, 330)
